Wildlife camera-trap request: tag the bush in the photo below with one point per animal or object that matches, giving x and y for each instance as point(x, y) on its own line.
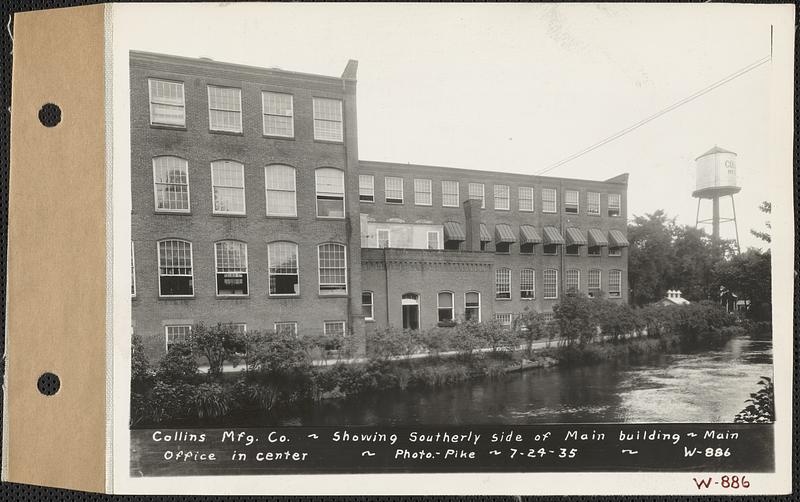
point(390, 343)
point(495, 336)
point(762, 405)
point(530, 326)
point(576, 317)
point(170, 402)
point(141, 374)
point(210, 400)
point(178, 364)
point(437, 340)
point(217, 345)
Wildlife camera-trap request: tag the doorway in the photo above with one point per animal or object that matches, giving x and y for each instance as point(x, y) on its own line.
point(410, 304)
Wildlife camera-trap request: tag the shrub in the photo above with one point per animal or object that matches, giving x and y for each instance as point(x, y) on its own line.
point(390, 343)
point(170, 401)
point(141, 374)
point(530, 326)
point(178, 364)
point(762, 404)
point(217, 345)
point(437, 340)
point(279, 369)
point(210, 400)
point(495, 336)
point(576, 316)
point(467, 339)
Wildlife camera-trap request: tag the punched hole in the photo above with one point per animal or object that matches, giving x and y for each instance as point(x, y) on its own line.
point(48, 384)
point(50, 115)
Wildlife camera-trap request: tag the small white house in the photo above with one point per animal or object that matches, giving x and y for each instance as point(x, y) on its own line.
point(674, 298)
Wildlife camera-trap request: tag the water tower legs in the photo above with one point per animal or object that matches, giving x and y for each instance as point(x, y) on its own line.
point(715, 221)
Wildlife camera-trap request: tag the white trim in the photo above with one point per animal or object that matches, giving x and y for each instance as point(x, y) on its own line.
point(371, 305)
point(417, 192)
point(566, 279)
point(497, 291)
point(264, 115)
point(240, 111)
point(532, 290)
point(457, 204)
point(428, 240)
point(213, 186)
point(267, 189)
point(507, 198)
point(270, 274)
point(293, 324)
point(617, 206)
point(158, 268)
point(217, 272)
point(150, 102)
point(589, 206)
point(386, 190)
point(316, 193)
point(325, 325)
point(388, 238)
point(166, 333)
point(319, 271)
point(544, 284)
point(577, 201)
point(188, 187)
point(532, 192)
point(372, 187)
point(340, 121)
point(479, 304)
point(452, 305)
point(483, 193)
point(555, 200)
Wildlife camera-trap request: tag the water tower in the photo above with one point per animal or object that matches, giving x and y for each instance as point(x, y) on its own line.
point(716, 178)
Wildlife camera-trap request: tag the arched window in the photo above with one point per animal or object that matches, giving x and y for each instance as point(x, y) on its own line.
point(527, 284)
point(230, 258)
point(472, 306)
point(502, 284)
point(227, 181)
point(444, 306)
point(175, 275)
point(367, 306)
point(332, 260)
point(284, 273)
point(615, 283)
point(594, 282)
point(572, 280)
point(281, 190)
point(171, 184)
point(550, 277)
point(330, 192)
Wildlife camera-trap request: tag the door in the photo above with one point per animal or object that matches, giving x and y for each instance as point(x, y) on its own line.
point(410, 303)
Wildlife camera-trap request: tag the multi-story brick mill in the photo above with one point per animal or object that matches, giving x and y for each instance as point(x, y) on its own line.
point(251, 207)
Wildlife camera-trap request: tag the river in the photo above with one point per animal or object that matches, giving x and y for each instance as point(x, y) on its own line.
point(701, 386)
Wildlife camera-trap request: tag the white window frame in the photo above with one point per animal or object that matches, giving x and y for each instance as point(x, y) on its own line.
point(525, 282)
point(265, 114)
point(482, 196)
point(319, 271)
point(331, 195)
point(502, 283)
point(388, 239)
point(214, 187)
point(270, 272)
point(478, 307)
point(546, 200)
point(291, 324)
point(526, 194)
point(567, 280)
point(593, 203)
point(614, 251)
point(325, 325)
point(156, 184)
point(244, 270)
point(165, 103)
point(210, 109)
point(568, 204)
point(133, 271)
point(452, 306)
point(498, 189)
point(160, 275)
point(611, 275)
point(592, 286)
point(337, 138)
point(554, 275)
point(268, 189)
point(447, 195)
point(501, 316)
point(436, 244)
point(167, 333)
point(371, 304)
point(617, 205)
point(386, 189)
point(423, 187)
point(366, 187)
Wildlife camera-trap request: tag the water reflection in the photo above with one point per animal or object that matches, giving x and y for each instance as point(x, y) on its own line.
point(709, 386)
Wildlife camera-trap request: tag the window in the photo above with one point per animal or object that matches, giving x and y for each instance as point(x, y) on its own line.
point(548, 317)
point(525, 199)
point(572, 250)
point(548, 200)
point(330, 193)
point(613, 204)
point(593, 203)
point(502, 197)
point(231, 264)
point(450, 194)
point(224, 109)
point(422, 192)
point(502, 247)
point(614, 283)
point(476, 192)
point(572, 280)
point(614, 251)
point(287, 327)
point(527, 284)
point(178, 334)
point(472, 306)
point(175, 268)
point(328, 119)
point(367, 306)
point(171, 184)
point(445, 306)
point(571, 202)
point(503, 319)
point(284, 274)
point(383, 238)
point(167, 105)
point(502, 284)
point(593, 251)
point(238, 328)
point(366, 188)
point(133, 273)
point(332, 269)
point(550, 283)
point(227, 181)
point(280, 185)
point(594, 282)
point(278, 110)
point(550, 249)
point(334, 329)
point(433, 240)
point(526, 248)
point(394, 189)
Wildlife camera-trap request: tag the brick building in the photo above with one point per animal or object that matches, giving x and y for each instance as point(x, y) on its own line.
point(250, 207)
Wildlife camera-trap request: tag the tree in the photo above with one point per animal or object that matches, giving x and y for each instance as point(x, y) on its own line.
point(651, 256)
point(748, 276)
point(218, 344)
point(766, 208)
point(530, 326)
point(576, 319)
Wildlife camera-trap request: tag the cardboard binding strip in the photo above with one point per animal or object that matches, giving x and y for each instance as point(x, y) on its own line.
point(56, 253)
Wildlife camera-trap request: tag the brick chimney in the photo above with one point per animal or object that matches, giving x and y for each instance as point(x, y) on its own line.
point(472, 217)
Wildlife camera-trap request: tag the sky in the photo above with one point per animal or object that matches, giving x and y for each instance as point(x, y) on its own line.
point(519, 87)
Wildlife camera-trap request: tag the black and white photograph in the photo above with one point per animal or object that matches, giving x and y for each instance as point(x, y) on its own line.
point(367, 219)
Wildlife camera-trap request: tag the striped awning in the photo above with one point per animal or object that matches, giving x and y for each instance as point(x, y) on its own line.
point(552, 236)
point(503, 233)
point(485, 235)
point(529, 235)
point(453, 231)
point(596, 238)
point(616, 239)
point(575, 237)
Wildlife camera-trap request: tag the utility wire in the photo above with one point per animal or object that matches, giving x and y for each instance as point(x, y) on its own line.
point(673, 106)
